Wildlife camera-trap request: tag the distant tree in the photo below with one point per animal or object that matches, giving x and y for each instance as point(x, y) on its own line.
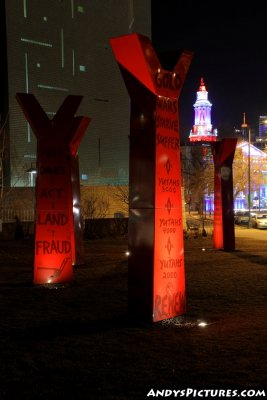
point(121, 196)
point(94, 206)
point(198, 176)
point(240, 173)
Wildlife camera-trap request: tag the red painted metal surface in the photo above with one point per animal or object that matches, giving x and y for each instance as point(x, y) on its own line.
point(57, 169)
point(156, 261)
point(224, 231)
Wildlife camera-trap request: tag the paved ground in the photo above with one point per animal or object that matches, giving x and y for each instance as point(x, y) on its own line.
point(251, 233)
point(79, 341)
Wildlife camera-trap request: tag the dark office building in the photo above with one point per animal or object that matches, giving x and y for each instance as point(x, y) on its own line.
point(261, 139)
point(54, 48)
point(263, 126)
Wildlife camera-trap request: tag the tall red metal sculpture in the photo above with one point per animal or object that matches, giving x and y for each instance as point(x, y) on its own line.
point(224, 231)
point(156, 261)
point(57, 241)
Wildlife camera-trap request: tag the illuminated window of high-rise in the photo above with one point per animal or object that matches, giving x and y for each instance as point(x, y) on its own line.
point(80, 9)
point(25, 8)
point(263, 126)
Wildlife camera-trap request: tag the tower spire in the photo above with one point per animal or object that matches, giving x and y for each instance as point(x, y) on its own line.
point(244, 125)
point(202, 130)
point(202, 86)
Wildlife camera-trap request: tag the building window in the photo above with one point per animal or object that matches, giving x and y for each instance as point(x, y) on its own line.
point(62, 48)
point(73, 62)
point(40, 86)
point(26, 73)
point(28, 133)
point(130, 14)
point(84, 177)
point(25, 8)
point(36, 42)
point(82, 68)
point(72, 8)
point(80, 9)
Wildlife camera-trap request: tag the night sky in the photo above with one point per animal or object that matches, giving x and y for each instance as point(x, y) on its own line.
point(230, 52)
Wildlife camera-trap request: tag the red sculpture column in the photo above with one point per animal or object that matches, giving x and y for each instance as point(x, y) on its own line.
point(57, 144)
point(156, 261)
point(224, 230)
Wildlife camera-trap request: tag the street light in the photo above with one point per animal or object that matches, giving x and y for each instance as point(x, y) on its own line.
point(249, 203)
point(244, 128)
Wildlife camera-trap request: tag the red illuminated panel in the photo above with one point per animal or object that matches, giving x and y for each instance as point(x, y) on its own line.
point(156, 264)
point(169, 278)
point(54, 239)
point(218, 218)
point(57, 143)
point(135, 53)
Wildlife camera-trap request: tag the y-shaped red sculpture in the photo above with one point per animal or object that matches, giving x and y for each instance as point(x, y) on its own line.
point(156, 261)
point(57, 244)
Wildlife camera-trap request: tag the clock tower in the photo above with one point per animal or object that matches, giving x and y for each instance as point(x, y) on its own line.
point(202, 130)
